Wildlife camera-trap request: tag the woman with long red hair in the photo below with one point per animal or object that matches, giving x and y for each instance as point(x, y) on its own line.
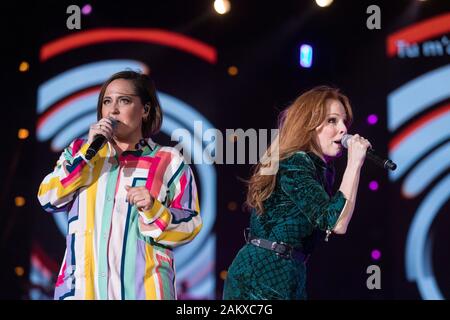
point(292, 207)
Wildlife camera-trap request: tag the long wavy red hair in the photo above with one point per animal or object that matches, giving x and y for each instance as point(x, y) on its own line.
point(296, 125)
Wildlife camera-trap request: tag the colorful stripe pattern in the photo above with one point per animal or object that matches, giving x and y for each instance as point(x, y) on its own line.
point(115, 251)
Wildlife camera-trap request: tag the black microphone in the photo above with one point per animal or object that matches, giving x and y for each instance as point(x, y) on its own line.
point(99, 141)
point(370, 154)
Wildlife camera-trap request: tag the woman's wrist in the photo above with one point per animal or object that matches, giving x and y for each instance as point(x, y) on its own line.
point(354, 166)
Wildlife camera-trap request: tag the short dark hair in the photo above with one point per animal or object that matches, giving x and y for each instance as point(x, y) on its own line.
point(145, 88)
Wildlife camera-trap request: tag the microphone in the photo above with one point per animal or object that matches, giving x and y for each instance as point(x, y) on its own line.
point(370, 154)
point(99, 141)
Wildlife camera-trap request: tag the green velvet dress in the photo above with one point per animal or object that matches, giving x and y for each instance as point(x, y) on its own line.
point(298, 212)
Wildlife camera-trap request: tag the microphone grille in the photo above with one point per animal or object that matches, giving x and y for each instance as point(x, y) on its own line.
point(344, 140)
point(114, 122)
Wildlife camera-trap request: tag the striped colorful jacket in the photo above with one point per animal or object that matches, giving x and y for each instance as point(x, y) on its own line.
point(115, 251)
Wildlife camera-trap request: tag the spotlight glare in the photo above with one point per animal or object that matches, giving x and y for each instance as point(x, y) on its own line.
point(372, 119)
point(24, 66)
point(373, 185)
point(233, 71)
point(87, 9)
point(23, 134)
point(19, 201)
point(222, 6)
point(324, 3)
point(306, 56)
point(233, 137)
point(19, 271)
point(376, 254)
point(223, 274)
point(232, 206)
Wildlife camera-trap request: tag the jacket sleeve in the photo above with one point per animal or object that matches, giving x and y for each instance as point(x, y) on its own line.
point(298, 180)
point(72, 171)
point(179, 221)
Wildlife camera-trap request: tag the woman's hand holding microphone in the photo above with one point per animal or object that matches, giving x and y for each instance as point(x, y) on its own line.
point(104, 127)
point(357, 149)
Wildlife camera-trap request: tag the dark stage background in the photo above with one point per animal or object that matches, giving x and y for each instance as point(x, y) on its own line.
point(261, 39)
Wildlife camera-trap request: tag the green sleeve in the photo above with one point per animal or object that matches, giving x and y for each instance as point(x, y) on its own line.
point(298, 180)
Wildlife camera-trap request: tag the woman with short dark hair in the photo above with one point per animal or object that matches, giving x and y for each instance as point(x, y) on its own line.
point(128, 206)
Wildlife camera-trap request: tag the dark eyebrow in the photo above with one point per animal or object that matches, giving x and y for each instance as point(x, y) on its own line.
point(121, 96)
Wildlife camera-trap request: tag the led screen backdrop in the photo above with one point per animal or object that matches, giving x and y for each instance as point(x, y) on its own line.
point(229, 72)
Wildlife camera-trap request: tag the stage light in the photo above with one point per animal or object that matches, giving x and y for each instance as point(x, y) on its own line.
point(232, 206)
point(23, 134)
point(87, 9)
point(233, 137)
point(376, 254)
point(24, 66)
point(324, 3)
point(373, 185)
point(306, 56)
point(233, 71)
point(223, 274)
point(372, 119)
point(222, 6)
point(19, 271)
point(19, 201)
